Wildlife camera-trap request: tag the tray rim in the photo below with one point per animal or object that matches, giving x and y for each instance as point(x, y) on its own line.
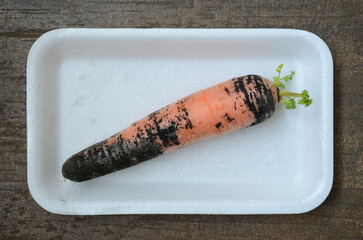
point(36, 49)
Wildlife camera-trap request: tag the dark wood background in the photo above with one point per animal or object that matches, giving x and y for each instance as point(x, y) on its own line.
point(337, 22)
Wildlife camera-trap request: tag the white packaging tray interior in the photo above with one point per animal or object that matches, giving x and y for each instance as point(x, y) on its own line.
point(84, 85)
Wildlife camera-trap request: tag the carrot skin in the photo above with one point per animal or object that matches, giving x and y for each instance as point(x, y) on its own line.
point(223, 108)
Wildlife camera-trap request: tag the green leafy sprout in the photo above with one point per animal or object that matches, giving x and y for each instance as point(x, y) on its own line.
point(287, 97)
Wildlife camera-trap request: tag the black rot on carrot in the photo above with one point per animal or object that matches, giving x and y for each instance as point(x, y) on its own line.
point(247, 101)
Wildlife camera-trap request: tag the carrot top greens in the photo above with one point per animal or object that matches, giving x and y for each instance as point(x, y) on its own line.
point(287, 97)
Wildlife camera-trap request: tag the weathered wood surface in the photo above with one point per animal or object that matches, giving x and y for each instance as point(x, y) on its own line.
point(337, 22)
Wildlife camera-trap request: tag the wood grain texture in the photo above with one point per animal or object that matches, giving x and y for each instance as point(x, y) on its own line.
point(337, 22)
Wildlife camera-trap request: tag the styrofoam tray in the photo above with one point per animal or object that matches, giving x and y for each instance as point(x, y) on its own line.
point(84, 85)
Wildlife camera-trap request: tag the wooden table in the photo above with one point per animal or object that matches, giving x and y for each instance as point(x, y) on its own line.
point(337, 22)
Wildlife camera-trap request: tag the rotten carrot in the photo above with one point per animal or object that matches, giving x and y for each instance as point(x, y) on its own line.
point(226, 107)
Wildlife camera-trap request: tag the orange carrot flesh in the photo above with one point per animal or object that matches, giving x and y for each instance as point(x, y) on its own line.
point(223, 108)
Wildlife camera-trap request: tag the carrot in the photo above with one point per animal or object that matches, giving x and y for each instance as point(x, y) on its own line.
point(223, 108)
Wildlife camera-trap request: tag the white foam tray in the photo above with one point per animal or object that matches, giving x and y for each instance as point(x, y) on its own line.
point(84, 85)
